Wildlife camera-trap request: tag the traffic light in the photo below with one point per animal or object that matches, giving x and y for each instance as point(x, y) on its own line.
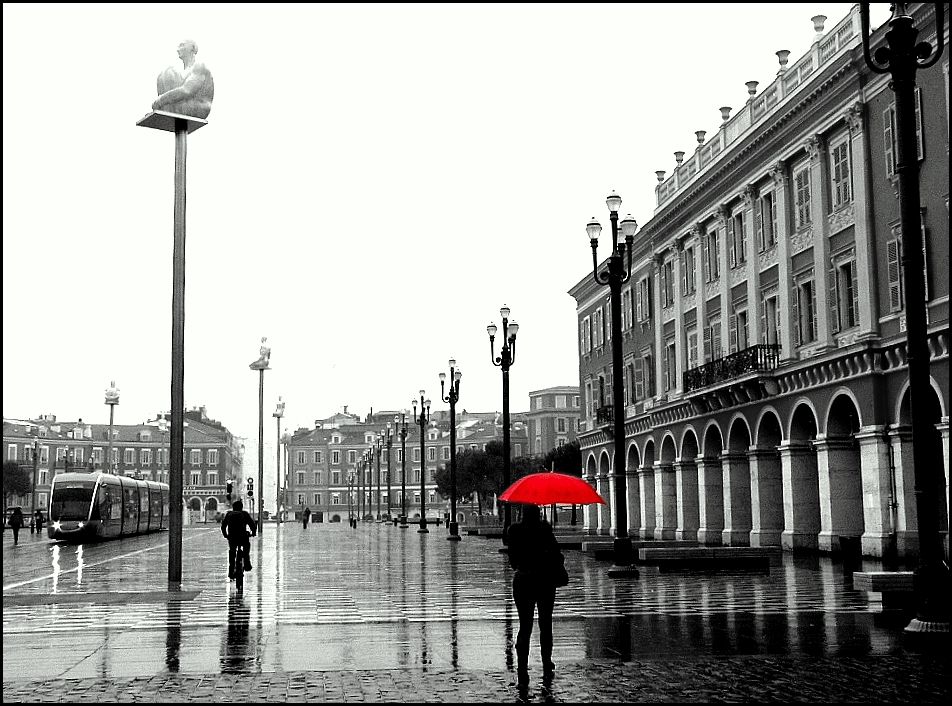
point(228, 488)
point(251, 488)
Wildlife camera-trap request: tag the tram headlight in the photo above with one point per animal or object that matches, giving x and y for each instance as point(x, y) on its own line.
point(80, 524)
point(56, 525)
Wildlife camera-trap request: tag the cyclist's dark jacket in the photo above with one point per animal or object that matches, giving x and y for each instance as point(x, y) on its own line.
point(233, 526)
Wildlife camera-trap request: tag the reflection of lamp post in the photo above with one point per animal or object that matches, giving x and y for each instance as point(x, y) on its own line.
point(617, 275)
point(388, 438)
point(278, 413)
point(112, 399)
point(422, 421)
point(901, 60)
point(507, 356)
point(261, 365)
point(452, 398)
point(403, 473)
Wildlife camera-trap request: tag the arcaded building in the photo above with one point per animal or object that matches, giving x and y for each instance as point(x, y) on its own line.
point(766, 389)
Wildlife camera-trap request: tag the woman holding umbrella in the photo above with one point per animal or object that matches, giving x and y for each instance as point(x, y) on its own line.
point(532, 549)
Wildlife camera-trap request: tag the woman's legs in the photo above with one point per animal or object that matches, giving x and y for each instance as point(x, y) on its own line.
point(546, 601)
point(523, 594)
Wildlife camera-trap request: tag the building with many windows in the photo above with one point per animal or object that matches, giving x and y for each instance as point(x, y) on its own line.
point(212, 455)
point(765, 386)
point(553, 418)
point(331, 467)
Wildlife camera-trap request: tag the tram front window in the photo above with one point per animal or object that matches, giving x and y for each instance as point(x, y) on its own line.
point(71, 502)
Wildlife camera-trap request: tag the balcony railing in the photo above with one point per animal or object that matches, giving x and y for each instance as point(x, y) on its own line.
point(604, 414)
point(762, 357)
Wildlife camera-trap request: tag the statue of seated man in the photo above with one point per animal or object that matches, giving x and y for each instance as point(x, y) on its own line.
point(187, 92)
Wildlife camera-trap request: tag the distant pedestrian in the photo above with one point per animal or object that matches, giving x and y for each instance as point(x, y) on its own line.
point(16, 522)
point(38, 520)
point(307, 516)
point(531, 547)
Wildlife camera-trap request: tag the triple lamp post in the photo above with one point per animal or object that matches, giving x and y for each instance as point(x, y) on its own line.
point(452, 398)
point(617, 274)
point(423, 419)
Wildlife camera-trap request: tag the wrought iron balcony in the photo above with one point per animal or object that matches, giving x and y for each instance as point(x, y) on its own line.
point(604, 414)
point(762, 357)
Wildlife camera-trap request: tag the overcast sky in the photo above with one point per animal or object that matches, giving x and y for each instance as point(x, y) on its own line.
point(374, 182)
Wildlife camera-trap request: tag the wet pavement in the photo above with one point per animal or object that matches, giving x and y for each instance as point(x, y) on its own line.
point(383, 614)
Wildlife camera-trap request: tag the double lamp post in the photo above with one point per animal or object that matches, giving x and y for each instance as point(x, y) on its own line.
point(423, 419)
point(507, 356)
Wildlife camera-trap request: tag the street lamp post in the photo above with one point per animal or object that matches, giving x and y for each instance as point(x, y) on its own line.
point(282, 508)
point(403, 473)
point(361, 467)
point(378, 448)
point(112, 399)
point(452, 398)
point(507, 356)
point(901, 59)
point(36, 465)
point(389, 440)
point(422, 420)
point(278, 413)
point(618, 273)
point(261, 365)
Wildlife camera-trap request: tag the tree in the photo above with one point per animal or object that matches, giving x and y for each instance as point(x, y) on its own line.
point(565, 459)
point(17, 480)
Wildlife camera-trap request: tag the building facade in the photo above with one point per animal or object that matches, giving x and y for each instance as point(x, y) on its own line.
point(333, 468)
point(45, 447)
point(553, 418)
point(764, 342)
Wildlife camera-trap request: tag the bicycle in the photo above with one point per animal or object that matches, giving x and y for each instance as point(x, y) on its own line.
point(240, 568)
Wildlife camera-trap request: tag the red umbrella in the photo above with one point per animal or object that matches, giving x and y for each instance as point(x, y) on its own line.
point(548, 487)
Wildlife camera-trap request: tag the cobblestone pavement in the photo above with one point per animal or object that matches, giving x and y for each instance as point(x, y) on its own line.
point(383, 614)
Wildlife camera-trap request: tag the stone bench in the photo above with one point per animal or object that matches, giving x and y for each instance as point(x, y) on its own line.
point(671, 559)
point(895, 587)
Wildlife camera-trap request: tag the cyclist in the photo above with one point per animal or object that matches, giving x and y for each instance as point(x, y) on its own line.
point(233, 526)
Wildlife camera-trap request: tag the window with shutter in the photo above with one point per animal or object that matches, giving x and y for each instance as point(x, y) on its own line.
point(708, 344)
point(732, 243)
point(732, 328)
point(894, 273)
point(853, 295)
point(797, 323)
point(889, 144)
point(834, 301)
point(639, 379)
point(925, 254)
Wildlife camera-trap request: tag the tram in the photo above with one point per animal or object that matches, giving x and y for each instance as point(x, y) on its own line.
point(90, 506)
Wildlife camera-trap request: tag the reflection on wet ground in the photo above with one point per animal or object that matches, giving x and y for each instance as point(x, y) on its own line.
point(378, 597)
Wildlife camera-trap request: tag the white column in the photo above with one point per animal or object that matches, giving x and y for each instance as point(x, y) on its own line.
point(685, 473)
point(710, 490)
point(877, 490)
point(766, 496)
point(737, 515)
point(801, 503)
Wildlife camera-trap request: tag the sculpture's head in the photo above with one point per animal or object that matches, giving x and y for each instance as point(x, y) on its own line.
point(187, 47)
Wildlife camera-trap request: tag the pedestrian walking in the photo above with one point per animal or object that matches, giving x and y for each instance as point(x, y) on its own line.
point(16, 522)
point(533, 552)
point(38, 520)
point(307, 516)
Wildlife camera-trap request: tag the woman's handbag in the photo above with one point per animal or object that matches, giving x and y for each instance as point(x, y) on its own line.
point(557, 573)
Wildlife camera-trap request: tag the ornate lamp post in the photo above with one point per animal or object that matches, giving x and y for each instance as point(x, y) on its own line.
point(507, 356)
point(378, 447)
point(388, 438)
point(278, 413)
point(422, 420)
point(112, 399)
point(361, 485)
point(901, 58)
point(261, 365)
point(452, 398)
point(618, 273)
point(36, 463)
point(282, 508)
point(403, 473)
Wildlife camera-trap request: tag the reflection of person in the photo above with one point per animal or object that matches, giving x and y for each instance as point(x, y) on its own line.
point(187, 92)
point(16, 522)
point(233, 528)
point(307, 516)
point(531, 546)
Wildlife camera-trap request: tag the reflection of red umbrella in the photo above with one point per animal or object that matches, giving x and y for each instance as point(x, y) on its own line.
point(547, 487)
